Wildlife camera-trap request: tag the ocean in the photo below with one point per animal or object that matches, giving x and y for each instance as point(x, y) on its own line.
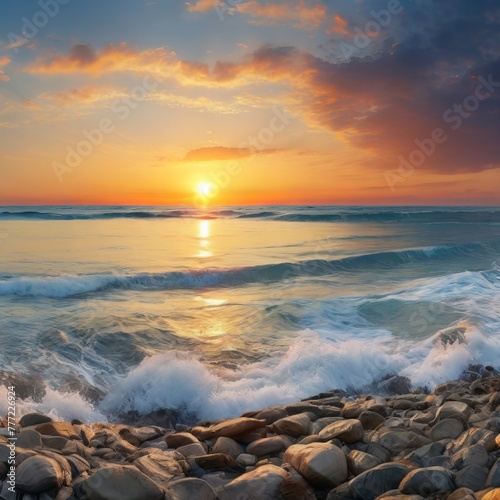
point(107, 310)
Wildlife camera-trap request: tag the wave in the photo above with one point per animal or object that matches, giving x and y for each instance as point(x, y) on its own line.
point(67, 286)
point(287, 214)
point(314, 363)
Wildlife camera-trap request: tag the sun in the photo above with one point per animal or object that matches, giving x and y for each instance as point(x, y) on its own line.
point(204, 188)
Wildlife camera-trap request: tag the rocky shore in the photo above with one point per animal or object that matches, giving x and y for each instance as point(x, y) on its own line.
point(444, 445)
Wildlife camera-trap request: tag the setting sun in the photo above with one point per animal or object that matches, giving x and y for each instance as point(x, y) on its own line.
point(204, 188)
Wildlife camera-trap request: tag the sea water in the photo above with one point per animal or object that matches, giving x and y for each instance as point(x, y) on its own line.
point(219, 311)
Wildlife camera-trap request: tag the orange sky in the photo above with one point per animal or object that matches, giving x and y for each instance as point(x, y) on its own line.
point(261, 102)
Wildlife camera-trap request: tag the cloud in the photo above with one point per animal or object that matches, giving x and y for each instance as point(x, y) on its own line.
point(202, 5)
point(298, 12)
point(216, 153)
point(85, 96)
point(83, 58)
point(222, 153)
point(4, 61)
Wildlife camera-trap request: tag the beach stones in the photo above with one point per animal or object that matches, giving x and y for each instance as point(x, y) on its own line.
point(448, 428)
point(428, 481)
point(370, 419)
point(454, 409)
point(163, 466)
point(123, 482)
point(360, 462)
point(63, 429)
point(472, 477)
point(263, 483)
point(228, 428)
point(374, 482)
point(227, 446)
point(34, 419)
point(190, 489)
point(38, 474)
point(295, 425)
point(347, 431)
point(267, 446)
point(321, 464)
point(179, 439)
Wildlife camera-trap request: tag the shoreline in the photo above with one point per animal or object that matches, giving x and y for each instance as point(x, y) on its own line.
point(331, 446)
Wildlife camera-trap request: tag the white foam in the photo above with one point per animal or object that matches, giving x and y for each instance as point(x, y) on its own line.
point(57, 405)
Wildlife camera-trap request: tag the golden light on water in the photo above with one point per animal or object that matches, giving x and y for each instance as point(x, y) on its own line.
point(204, 236)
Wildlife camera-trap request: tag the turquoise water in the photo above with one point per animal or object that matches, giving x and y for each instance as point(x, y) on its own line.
point(230, 309)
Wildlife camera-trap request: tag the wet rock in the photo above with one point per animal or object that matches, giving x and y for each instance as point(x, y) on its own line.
point(493, 479)
point(470, 455)
point(246, 459)
point(29, 439)
point(295, 487)
point(492, 495)
point(379, 452)
point(421, 456)
point(347, 431)
point(474, 435)
point(397, 440)
point(448, 428)
point(139, 435)
point(227, 446)
point(360, 462)
point(321, 464)
point(179, 439)
point(162, 467)
point(78, 465)
point(228, 428)
point(296, 425)
point(427, 481)
point(189, 489)
point(472, 477)
point(263, 483)
point(270, 415)
point(395, 385)
point(462, 494)
point(192, 450)
point(63, 429)
point(215, 461)
point(370, 419)
point(454, 409)
point(123, 482)
point(34, 419)
point(374, 482)
point(38, 474)
point(267, 446)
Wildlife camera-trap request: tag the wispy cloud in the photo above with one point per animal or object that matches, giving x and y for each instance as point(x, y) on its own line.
point(4, 61)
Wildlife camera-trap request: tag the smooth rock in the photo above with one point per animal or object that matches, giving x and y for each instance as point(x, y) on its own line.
point(262, 483)
point(63, 429)
point(136, 436)
point(246, 460)
point(267, 446)
point(374, 482)
point(448, 428)
point(462, 494)
point(454, 409)
point(29, 439)
point(180, 439)
point(347, 431)
point(493, 479)
point(370, 420)
point(321, 464)
point(492, 495)
point(228, 428)
point(215, 461)
point(34, 419)
point(162, 467)
point(295, 487)
point(427, 481)
point(470, 455)
point(113, 483)
point(192, 450)
point(474, 435)
point(38, 474)
point(359, 462)
point(189, 489)
point(296, 425)
point(227, 446)
point(472, 477)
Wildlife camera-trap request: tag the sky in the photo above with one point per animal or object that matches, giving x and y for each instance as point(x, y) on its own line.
point(236, 102)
